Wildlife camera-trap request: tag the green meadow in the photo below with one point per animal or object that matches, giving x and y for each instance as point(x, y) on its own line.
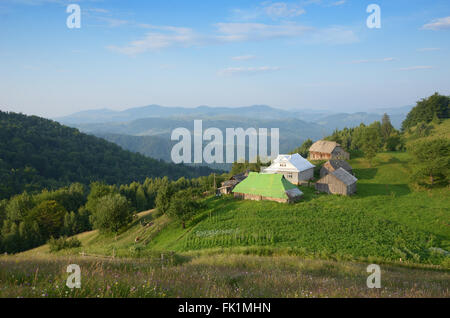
point(319, 247)
point(386, 221)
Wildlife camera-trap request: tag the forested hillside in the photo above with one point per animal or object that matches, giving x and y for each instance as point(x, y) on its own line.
point(37, 153)
point(428, 109)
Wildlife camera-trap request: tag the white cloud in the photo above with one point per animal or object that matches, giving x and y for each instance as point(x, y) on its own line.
point(233, 32)
point(332, 35)
point(438, 24)
point(96, 10)
point(272, 10)
point(111, 22)
point(164, 37)
point(168, 36)
point(386, 59)
point(282, 10)
point(413, 68)
point(232, 71)
point(428, 49)
point(243, 57)
point(338, 3)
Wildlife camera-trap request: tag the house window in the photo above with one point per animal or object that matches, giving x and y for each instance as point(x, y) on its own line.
point(282, 164)
point(289, 175)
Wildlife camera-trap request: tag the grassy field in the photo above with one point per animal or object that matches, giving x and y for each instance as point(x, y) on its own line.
point(212, 276)
point(318, 247)
point(385, 222)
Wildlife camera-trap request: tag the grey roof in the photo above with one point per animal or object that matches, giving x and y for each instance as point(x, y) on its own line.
point(324, 146)
point(344, 176)
point(229, 183)
point(294, 193)
point(336, 164)
point(240, 177)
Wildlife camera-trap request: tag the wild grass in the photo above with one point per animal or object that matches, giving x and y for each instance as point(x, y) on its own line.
point(226, 275)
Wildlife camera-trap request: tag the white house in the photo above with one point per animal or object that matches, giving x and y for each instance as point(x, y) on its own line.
point(294, 167)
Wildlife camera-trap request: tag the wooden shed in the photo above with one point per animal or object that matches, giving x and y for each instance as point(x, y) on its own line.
point(228, 185)
point(337, 182)
point(326, 150)
point(333, 165)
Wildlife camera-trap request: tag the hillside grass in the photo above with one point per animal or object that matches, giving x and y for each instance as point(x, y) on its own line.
point(386, 222)
point(319, 247)
point(439, 130)
point(226, 275)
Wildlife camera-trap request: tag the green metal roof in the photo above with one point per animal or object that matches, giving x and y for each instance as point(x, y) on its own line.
point(267, 185)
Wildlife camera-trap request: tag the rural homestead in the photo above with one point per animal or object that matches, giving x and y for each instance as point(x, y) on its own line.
point(326, 150)
point(279, 182)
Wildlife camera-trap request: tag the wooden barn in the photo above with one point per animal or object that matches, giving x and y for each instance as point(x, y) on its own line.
point(337, 182)
point(327, 150)
point(271, 187)
point(228, 185)
point(333, 165)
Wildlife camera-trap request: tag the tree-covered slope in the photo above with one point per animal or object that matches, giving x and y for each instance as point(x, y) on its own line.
point(37, 153)
point(434, 107)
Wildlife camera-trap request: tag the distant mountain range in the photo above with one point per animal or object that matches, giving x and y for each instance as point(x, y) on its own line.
point(262, 112)
point(156, 111)
point(147, 129)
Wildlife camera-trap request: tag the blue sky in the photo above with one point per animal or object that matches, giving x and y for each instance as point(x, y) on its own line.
point(315, 54)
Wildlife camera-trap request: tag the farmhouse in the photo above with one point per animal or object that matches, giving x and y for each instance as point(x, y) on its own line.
point(333, 165)
point(228, 185)
point(271, 187)
point(337, 182)
point(326, 150)
point(294, 168)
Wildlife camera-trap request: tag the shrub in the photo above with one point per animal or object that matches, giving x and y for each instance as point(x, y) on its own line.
point(111, 213)
point(63, 243)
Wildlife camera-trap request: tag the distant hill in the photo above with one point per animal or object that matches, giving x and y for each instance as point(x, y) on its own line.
point(156, 111)
point(392, 110)
point(37, 153)
point(343, 120)
point(260, 112)
point(292, 131)
point(147, 129)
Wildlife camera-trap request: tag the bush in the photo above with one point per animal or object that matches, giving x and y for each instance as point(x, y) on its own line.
point(112, 213)
point(49, 215)
point(63, 243)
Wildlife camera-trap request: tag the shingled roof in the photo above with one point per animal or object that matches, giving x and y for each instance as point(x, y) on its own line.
point(324, 146)
point(344, 176)
point(336, 164)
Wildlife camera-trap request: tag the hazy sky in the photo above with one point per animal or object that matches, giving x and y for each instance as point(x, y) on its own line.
point(316, 54)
